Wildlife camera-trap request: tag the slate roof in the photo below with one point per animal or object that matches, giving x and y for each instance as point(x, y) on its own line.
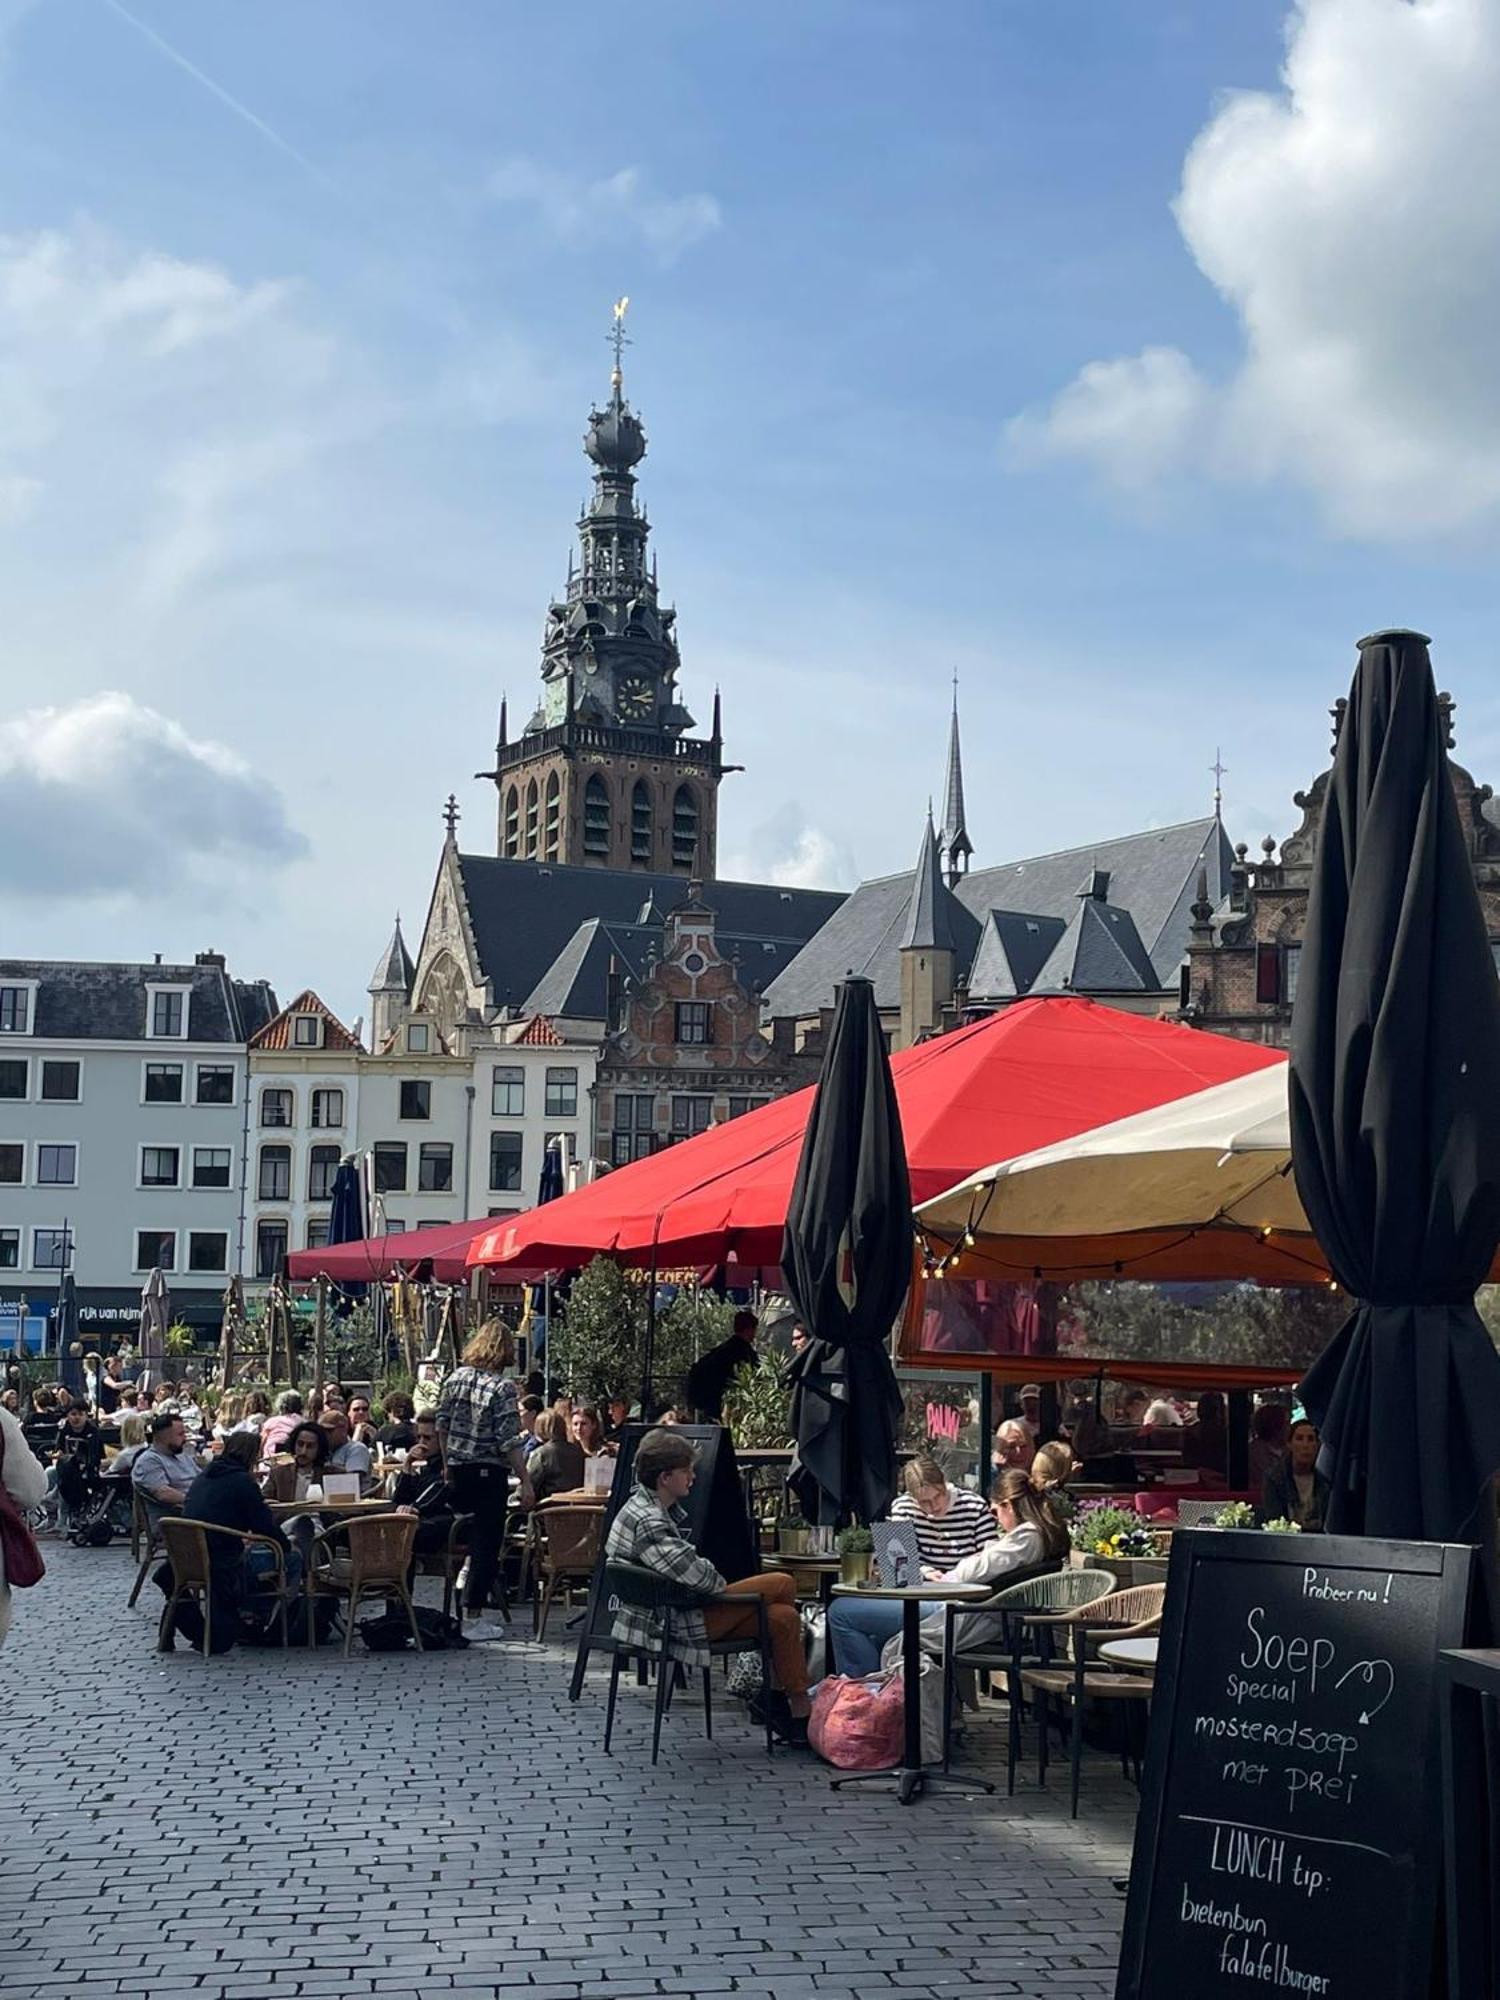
point(81, 1001)
point(1153, 875)
point(395, 972)
point(277, 1033)
point(576, 984)
point(928, 920)
point(1099, 952)
point(1013, 948)
point(527, 916)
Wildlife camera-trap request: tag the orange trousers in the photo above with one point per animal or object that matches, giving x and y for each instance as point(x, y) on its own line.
point(788, 1661)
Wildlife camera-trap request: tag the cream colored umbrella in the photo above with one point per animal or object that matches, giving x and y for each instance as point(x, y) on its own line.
point(1200, 1188)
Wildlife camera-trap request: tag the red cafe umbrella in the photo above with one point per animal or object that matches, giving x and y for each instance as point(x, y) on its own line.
point(1029, 1076)
point(373, 1257)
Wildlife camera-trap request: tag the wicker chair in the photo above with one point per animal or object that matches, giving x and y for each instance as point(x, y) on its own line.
point(1193, 1513)
point(375, 1565)
point(447, 1561)
point(1051, 1596)
point(143, 1530)
point(1124, 1614)
point(647, 1591)
point(568, 1542)
point(186, 1544)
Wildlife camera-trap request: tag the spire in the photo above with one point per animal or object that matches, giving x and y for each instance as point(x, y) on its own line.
point(395, 971)
point(954, 840)
point(451, 818)
point(619, 339)
point(500, 740)
point(1220, 770)
point(716, 734)
point(927, 924)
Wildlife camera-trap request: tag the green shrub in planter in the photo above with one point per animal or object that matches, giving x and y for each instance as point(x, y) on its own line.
point(1283, 1527)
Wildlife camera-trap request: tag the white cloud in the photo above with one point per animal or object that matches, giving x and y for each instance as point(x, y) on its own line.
point(113, 799)
point(788, 850)
point(583, 213)
point(1349, 221)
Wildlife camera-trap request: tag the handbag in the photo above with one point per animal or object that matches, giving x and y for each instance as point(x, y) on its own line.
point(857, 1725)
point(23, 1559)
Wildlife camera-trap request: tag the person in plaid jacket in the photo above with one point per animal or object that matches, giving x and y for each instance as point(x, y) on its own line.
point(649, 1530)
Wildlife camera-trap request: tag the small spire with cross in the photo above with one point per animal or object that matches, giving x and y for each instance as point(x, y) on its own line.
point(1220, 770)
point(619, 339)
point(451, 817)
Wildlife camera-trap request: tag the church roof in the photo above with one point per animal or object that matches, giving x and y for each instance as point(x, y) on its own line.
point(576, 984)
point(928, 923)
point(1099, 952)
point(1013, 948)
point(954, 837)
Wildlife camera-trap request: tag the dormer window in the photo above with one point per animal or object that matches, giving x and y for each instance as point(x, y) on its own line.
point(418, 1038)
point(15, 1009)
point(167, 1013)
point(307, 1031)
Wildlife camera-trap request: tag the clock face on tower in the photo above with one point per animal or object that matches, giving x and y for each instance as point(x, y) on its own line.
point(636, 700)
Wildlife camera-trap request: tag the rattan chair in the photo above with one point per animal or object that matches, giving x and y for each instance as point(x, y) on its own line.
point(647, 1591)
point(143, 1529)
point(1049, 1597)
point(186, 1544)
point(1124, 1614)
point(1193, 1513)
point(567, 1550)
point(375, 1565)
point(447, 1561)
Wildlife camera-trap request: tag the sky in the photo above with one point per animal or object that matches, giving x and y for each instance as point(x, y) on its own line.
point(1129, 362)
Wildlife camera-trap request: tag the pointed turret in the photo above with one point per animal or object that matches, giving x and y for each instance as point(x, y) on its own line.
point(927, 924)
point(927, 945)
point(390, 988)
point(954, 843)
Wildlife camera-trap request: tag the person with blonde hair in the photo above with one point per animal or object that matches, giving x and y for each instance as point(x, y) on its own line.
point(479, 1426)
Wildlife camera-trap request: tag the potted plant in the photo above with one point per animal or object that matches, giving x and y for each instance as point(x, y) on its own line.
point(856, 1552)
point(1235, 1514)
point(1283, 1526)
point(792, 1535)
point(1117, 1539)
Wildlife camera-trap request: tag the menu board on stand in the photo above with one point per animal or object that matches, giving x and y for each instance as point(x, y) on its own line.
point(1288, 1836)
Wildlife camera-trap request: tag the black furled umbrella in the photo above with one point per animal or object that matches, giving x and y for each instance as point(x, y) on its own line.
point(1395, 1117)
point(69, 1341)
point(346, 1224)
point(846, 1257)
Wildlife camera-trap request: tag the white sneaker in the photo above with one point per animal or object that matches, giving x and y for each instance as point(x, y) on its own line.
point(481, 1632)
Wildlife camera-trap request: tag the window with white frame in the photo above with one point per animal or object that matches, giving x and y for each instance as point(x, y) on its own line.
point(694, 1023)
point(390, 1166)
point(208, 1250)
point(418, 1039)
point(57, 1166)
point(416, 1099)
point(327, 1110)
point(12, 1163)
point(161, 1166)
point(156, 1249)
point(507, 1091)
point(10, 1249)
point(50, 1249)
point(62, 1082)
point(167, 1013)
point(435, 1168)
point(307, 1031)
point(15, 1009)
point(690, 1116)
point(15, 1076)
point(317, 1233)
point(270, 1247)
point(322, 1172)
point(213, 1166)
point(738, 1106)
point(162, 1084)
point(215, 1084)
point(275, 1182)
point(275, 1107)
point(562, 1093)
point(505, 1162)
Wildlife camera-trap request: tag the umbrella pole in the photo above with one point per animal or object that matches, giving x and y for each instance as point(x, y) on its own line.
point(648, 1361)
point(547, 1337)
point(320, 1332)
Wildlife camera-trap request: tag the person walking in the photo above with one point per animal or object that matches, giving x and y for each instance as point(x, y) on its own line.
point(479, 1425)
point(25, 1481)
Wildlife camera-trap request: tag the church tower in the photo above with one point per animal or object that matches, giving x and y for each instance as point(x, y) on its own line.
point(605, 773)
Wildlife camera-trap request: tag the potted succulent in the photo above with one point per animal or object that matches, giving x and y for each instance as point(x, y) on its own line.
point(793, 1535)
point(856, 1552)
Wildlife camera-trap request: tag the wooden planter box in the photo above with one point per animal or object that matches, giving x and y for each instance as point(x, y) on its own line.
point(1126, 1570)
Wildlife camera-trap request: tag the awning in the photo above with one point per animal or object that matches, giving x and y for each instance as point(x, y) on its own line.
point(372, 1257)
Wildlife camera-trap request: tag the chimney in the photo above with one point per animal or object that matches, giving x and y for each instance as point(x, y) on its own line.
point(209, 958)
point(1098, 889)
point(156, 958)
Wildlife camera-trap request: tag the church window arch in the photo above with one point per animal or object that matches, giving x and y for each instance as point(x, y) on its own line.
point(596, 818)
point(552, 821)
point(685, 823)
point(532, 815)
point(640, 822)
point(511, 831)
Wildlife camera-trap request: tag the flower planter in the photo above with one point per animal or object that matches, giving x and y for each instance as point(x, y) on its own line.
point(794, 1541)
point(1126, 1570)
point(855, 1568)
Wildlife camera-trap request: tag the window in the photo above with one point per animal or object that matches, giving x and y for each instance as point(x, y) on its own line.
point(10, 1249)
point(1291, 967)
point(562, 1093)
point(512, 835)
point(418, 1039)
point(307, 1031)
point(276, 1107)
point(416, 1100)
point(390, 1167)
point(13, 1078)
point(533, 816)
point(156, 1249)
point(208, 1250)
point(695, 1023)
point(685, 828)
point(435, 1169)
point(505, 1162)
point(163, 1083)
point(322, 1170)
point(394, 1226)
point(738, 1106)
point(275, 1173)
point(159, 1166)
point(635, 1127)
point(596, 817)
point(1267, 975)
point(215, 1083)
point(15, 1009)
point(62, 1082)
point(212, 1166)
point(12, 1165)
point(57, 1166)
point(690, 1116)
point(168, 1016)
point(327, 1110)
point(552, 823)
point(49, 1249)
point(507, 1091)
point(270, 1248)
point(640, 821)
point(317, 1233)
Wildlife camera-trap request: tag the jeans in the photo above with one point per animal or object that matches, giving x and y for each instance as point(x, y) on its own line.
point(481, 1488)
point(260, 1566)
point(859, 1628)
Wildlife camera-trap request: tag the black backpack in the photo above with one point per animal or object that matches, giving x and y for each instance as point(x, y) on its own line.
point(390, 1632)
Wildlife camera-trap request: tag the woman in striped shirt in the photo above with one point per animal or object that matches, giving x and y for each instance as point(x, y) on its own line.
point(951, 1524)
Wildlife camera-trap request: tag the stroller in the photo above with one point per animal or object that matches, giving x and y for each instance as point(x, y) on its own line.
point(89, 1503)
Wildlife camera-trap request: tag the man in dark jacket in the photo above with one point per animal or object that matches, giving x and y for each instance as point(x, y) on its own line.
point(709, 1377)
point(225, 1495)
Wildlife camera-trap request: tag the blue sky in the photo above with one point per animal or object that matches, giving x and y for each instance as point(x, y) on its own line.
point(1133, 361)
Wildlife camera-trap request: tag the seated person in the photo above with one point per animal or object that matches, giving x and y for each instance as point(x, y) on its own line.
point(588, 1433)
point(275, 1431)
point(649, 1531)
point(1295, 1490)
point(1031, 1538)
point(616, 1417)
point(116, 1473)
point(225, 1494)
point(398, 1433)
point(361, 1429)
point(531, 1408)
point(165, 1469)
point(1051, 1469)
point(345, 1454)
point(77, 1461)
point(423, 1484)
point(1014, 1445)
point(292, 1471)
point(1268, 1430)
point(556, 1466)
point(951, 1523)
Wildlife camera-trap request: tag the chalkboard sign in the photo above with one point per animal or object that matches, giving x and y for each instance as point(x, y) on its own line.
point(1288, 1834)
point(717, 1524)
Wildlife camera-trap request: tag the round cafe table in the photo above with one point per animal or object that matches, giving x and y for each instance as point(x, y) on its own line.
point(911, 1775)
point(1140, 1653)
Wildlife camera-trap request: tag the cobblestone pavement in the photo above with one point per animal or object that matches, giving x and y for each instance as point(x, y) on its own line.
point(258, 1826)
